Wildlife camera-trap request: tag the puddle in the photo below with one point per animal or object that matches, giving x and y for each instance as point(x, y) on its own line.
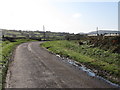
point(88, 71)
point(85, 69)
point(108, 81)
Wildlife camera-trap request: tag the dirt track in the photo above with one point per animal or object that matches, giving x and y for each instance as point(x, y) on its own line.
point(35, 67)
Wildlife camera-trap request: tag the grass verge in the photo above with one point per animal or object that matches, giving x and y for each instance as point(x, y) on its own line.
point(106, 64)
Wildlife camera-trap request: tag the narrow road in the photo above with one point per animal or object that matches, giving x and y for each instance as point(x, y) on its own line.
point(34, 67)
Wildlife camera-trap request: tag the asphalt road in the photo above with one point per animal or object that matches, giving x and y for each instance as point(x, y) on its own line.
point(34, 67)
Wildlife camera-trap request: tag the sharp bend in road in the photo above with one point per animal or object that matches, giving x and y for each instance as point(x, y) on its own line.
point(34, 67)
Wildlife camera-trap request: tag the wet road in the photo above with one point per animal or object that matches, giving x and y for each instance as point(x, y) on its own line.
point(34, 67)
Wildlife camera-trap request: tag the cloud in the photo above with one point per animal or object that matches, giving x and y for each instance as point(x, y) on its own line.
point(76, 15)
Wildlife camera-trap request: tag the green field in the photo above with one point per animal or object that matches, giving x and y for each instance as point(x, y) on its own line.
point(33, 34)
point(106, 63)
point(6, 50)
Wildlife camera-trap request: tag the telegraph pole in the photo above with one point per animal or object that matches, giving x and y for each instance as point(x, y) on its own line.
point(97, 36)
point(44, 32)
point(97, 31)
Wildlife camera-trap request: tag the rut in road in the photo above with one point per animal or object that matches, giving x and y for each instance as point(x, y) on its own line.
point(34, 67)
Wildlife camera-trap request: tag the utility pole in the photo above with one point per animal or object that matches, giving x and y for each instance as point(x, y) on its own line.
point(97, 31)
point(97, 36)
point(44, 32)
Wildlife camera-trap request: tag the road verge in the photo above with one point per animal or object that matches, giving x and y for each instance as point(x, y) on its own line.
point(103, 66)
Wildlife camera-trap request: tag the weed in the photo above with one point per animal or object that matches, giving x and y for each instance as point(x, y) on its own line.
point(105, 61)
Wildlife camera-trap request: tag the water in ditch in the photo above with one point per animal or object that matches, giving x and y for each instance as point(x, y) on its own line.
point(85, 69)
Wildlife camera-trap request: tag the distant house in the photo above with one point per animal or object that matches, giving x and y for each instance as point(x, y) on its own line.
point(104, 33)
point(114, 34)
point(92, 35)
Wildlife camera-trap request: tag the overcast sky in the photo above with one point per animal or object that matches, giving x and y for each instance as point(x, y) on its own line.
point(72, 16)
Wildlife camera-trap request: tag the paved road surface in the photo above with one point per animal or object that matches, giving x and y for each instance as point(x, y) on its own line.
point(35, 67)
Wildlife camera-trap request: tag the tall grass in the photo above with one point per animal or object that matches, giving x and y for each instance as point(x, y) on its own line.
point(106, 62)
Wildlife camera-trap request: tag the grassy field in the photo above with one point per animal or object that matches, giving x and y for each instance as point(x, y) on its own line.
point(28, 34)
point(106, 63)
point(6, 50)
